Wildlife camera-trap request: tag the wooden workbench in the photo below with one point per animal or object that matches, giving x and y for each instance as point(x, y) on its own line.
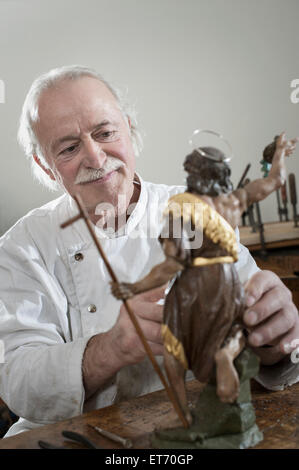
point(277, 416)
point(276, 234)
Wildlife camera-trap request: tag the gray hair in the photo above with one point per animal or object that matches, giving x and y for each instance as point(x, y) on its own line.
point(26, 135)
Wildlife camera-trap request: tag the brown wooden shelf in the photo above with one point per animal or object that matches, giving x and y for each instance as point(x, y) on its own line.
point(276, 234)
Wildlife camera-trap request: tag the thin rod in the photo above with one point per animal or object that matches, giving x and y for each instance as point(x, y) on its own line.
point(83, 213)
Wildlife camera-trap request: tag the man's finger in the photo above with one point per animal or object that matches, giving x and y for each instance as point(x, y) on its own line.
point(152, 331)
point(259, 284)
point(286, 344)
point(157, 349)
point(147, 310)
point(273, 328)
point(269, 356)
point(290, 341)
point(272, 301)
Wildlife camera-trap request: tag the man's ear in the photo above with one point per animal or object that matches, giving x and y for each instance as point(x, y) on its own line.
point(46, 170)
point(129, 123)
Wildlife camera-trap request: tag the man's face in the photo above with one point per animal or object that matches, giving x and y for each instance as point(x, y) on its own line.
point(86, 141)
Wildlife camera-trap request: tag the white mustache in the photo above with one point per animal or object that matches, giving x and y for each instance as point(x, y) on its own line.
point(86, 175)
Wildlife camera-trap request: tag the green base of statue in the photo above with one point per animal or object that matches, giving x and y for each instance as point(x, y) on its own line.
point(218, 425)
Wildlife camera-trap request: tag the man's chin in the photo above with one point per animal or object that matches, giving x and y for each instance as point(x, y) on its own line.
point(94, 195)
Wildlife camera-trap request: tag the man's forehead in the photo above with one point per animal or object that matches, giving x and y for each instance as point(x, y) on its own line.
point(83, 85)
point(76, 95)
point(84, 102)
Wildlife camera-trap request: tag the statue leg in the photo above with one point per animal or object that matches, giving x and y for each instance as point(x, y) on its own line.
point(226, 375)
point(176, 376)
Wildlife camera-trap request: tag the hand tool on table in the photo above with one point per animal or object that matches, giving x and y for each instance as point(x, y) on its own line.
point(73, 436)
point(77, 437)
point(127, 443)
point(48, 446)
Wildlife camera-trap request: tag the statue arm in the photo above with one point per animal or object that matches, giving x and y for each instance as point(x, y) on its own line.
point(259, 189)
point(158, 276)
point(232, 206)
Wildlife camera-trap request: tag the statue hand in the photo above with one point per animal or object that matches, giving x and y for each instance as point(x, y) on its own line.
point(122, 290)
point(287, 145)
point(283, 147)
point(291, 145)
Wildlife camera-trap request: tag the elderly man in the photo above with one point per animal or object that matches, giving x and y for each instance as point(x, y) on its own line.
point(69, 344)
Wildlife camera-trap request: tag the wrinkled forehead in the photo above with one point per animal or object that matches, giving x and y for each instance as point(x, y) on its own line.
point(76, 97)
point(75, 106)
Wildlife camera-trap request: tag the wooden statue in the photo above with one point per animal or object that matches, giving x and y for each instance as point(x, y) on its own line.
point(202, 326)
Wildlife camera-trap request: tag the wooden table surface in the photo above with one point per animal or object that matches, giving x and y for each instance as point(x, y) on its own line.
point(277, 414)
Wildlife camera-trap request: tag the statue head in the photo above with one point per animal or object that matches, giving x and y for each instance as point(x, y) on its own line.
point(208, 173)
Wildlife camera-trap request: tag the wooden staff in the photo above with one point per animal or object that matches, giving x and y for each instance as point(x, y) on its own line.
point(83, 214)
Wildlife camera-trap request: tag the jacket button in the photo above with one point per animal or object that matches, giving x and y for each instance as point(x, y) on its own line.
point(92, 308)
point(79, 257)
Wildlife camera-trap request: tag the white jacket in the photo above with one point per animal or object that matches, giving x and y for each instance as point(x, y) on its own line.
point(46, 294)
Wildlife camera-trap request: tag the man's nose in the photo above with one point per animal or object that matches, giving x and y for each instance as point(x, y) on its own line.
point(94, 156)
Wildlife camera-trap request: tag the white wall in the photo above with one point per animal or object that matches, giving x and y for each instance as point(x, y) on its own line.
point(224, 64)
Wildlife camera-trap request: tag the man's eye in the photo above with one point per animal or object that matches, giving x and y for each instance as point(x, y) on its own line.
point(69, 150)
point(108, 135)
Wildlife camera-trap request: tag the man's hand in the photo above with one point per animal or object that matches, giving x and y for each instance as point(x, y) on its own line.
point(106, 353)
point(149, 314)
point(271, 317)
